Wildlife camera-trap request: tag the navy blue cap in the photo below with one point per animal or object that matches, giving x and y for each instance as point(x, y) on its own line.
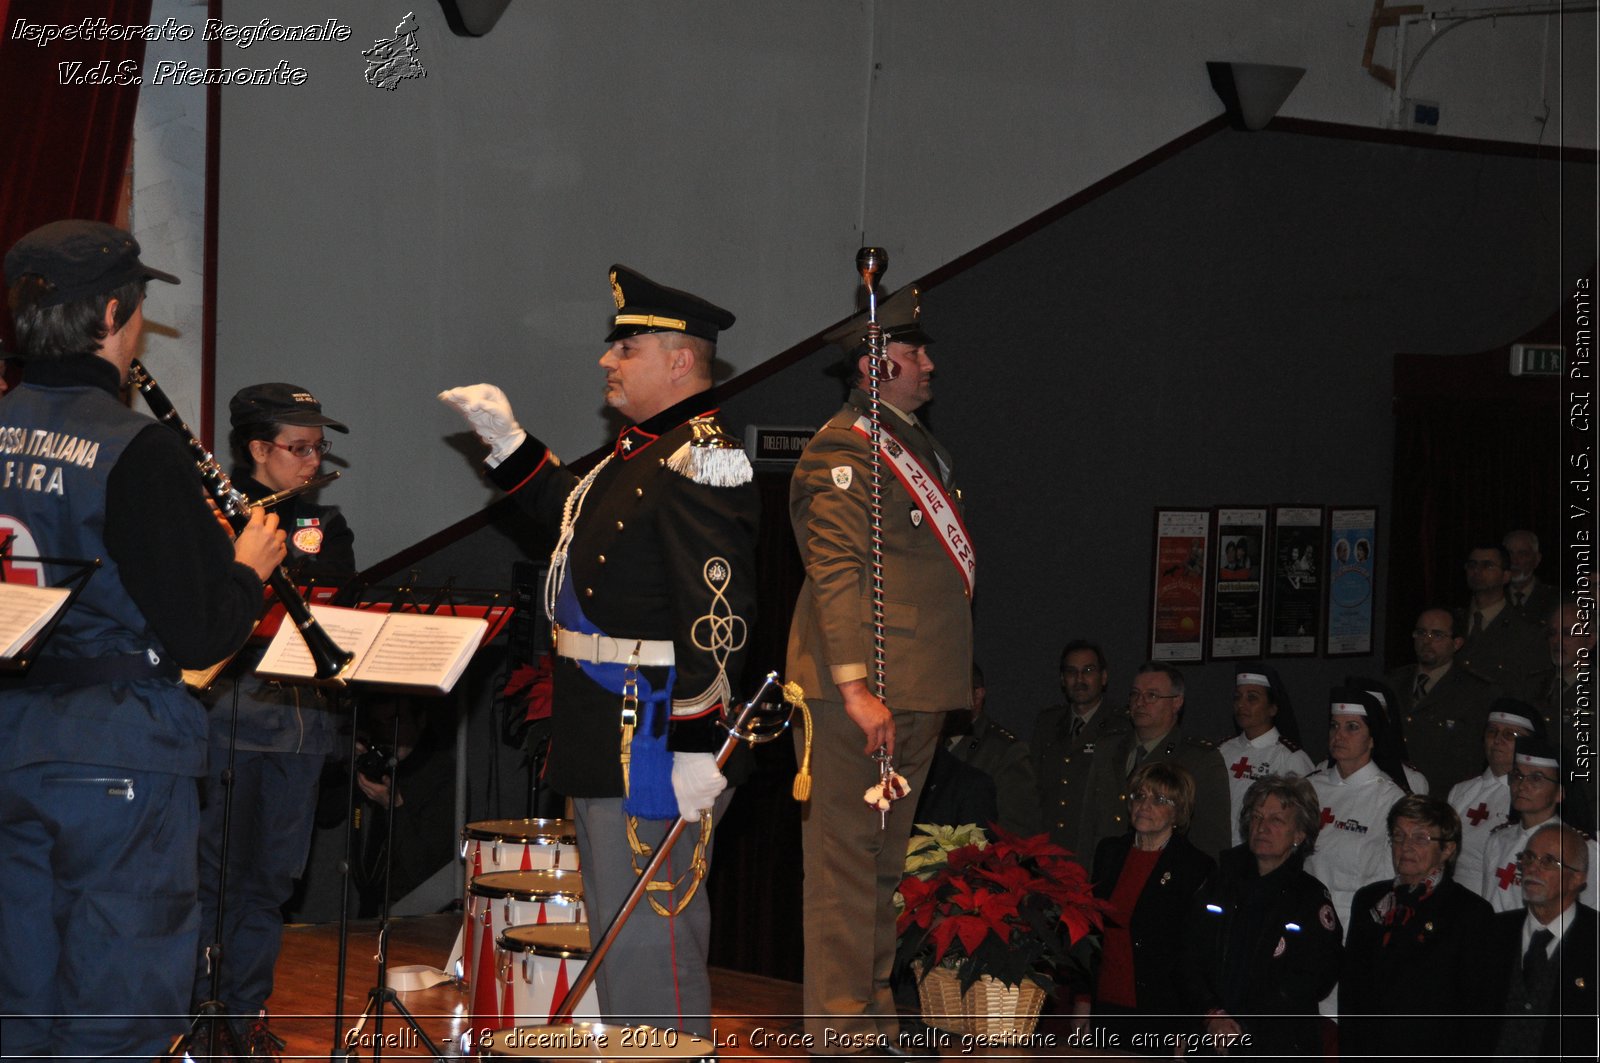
point(77, 259)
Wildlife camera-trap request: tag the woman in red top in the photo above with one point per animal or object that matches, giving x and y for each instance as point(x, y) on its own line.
point(1150, 875)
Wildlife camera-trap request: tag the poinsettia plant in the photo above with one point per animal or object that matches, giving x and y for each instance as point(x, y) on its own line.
point(1012, 909)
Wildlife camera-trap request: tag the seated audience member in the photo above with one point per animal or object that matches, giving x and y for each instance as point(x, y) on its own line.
point(1415, 782)
point(1263, 944)
point(1066, 739)
point(983, 744)
point(1268, 742)
point(1528, 594)
point(1484, 801)
point(1502, 645)
point(1543, 958)
point(1416, 947)
point(1536, 799)
point(1356, 790)
point(1155, 707)
point(1150, 875)
point(1441, 707)
point(955, 793)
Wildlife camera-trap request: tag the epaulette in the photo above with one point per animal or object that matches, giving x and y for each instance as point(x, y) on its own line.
point(1503, 826)
point(1002, 732)
point(1287, 744)
point(1203, 743)
point(711, 456)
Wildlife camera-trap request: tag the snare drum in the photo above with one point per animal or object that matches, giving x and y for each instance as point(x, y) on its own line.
point(519, 845)
point(597, 1041)
point(503, 899)
point(536, 965)
point(510, 845)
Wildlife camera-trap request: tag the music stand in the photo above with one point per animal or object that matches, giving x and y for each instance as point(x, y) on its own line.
point(75, 580)
point(441, 601)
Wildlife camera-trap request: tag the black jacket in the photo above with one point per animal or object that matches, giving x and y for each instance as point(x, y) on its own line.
point(1570, 1032)
point(1408, 996)
point(1160, 916)
point(1263, 946)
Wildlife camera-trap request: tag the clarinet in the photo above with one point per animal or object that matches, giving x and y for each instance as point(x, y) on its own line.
point(329, 659)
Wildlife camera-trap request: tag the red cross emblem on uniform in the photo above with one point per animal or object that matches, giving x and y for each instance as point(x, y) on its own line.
point(1327, 816)
point(1479, 814)
point(1241, 767)
point(1507, 875)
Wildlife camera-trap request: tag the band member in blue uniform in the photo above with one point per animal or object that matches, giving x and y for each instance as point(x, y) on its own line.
point(285, 731)
point(100, 743)
point(652, 591)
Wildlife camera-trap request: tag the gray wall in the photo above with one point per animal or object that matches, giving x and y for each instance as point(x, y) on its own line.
point(1219, 330)
point(378, 246)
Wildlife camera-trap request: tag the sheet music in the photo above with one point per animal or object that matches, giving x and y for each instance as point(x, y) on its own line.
point(422, 650)
point(392, 649)
point(350, 629)
point(24, 611)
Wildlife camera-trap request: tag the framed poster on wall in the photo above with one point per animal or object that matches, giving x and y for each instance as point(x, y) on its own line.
point(1238, 590)
point(1178, 581)
point(1352, 567)
point(1299, 574)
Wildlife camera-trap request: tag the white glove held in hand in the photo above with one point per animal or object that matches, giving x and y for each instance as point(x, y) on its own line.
point(696, 780)
point(488, 410)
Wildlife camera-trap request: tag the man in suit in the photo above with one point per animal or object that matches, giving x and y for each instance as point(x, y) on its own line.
point(1443, 708)
point(1065, 740)
point(854, 858)
point(1502, 644)
point(1544, 955)
point(1528, 594)
point(1154, 708)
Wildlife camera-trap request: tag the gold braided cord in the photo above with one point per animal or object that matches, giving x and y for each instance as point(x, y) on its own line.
point(794, 695)
point(693, 876)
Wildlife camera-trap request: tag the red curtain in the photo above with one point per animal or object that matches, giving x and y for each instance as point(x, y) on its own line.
point(65, 145)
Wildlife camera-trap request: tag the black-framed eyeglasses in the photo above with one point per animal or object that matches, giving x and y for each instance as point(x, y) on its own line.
point(1420, 841)
point(1140, 696)
point(1544, 862)
point(1086, 671)
point(1518, 775)
point(306, 450)
point(1430, 633)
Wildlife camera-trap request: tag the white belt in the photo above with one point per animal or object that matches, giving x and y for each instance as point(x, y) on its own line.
point(603, 649)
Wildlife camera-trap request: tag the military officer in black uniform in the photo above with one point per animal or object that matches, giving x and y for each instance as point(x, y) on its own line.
point(651, 590)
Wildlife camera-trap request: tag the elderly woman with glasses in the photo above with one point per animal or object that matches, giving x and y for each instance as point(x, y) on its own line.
point(1150, 876)
point(1263, 946)
point(1416, 954)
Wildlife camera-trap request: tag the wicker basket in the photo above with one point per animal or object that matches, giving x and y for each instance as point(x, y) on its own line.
point(994, 1008)
point(940, 993)
point(990, 1007)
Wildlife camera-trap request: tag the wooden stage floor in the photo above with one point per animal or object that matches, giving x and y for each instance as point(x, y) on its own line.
point(755, 1017)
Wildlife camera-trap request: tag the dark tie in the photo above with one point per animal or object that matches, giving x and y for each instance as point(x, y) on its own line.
point(1422, 684)
point(1534, 961)
point(1477, 624)
point(1517, 598)
point(1077, 727)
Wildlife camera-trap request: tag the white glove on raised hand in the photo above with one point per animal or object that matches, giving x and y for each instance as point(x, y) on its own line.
point(696, 781)
point(488, 410)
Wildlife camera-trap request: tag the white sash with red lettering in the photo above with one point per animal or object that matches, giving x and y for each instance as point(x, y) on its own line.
point(937, 506)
